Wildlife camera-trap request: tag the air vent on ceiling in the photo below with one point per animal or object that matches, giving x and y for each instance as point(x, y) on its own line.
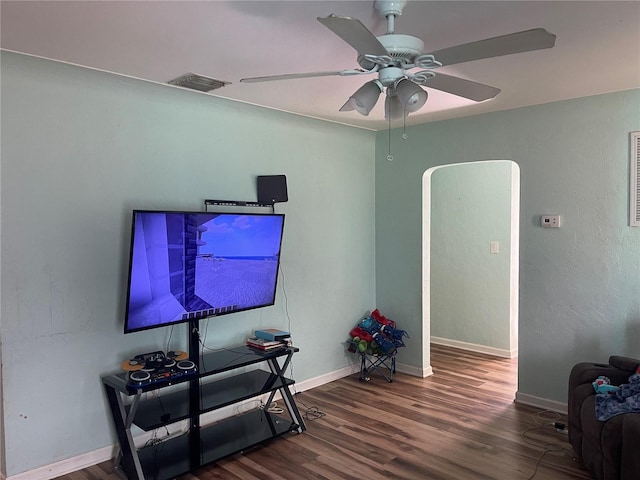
point(634, 206)
point(198, 82)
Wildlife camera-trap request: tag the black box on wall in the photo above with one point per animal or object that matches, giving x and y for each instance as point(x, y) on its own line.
point(272, 189)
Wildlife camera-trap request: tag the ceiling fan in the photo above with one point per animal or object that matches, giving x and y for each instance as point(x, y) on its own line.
point(395, 58)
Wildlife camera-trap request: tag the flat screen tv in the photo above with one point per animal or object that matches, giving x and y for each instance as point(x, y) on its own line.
point(191, 265)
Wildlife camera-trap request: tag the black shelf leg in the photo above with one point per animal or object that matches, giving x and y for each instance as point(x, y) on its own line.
point(127, 463)
point(287, 398)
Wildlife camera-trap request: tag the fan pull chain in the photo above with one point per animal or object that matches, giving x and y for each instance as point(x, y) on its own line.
point(404, 128)
point(389, 156)
point(404, 135)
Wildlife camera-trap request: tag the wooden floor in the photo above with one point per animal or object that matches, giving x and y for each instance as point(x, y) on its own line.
point(461, 423)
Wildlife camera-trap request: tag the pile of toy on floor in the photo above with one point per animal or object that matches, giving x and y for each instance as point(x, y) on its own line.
point(376, 335)
point(612, 400)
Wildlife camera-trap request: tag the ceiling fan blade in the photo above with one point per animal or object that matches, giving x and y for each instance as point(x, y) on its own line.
point(461, 87)
point(290, 76)
point(352, 31)
point(526, 41)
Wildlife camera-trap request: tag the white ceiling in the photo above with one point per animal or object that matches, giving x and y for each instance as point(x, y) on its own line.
point(597, 48)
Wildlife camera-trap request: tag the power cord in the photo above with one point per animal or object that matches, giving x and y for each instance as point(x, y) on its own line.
point(169, 339)
point(271, 408)
point(312, 413)
point(156, 441)
point(544, 419)
point(286, 298)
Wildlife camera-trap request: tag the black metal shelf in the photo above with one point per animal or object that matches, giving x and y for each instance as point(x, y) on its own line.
point(162, 410)
point(227, 437)
point(168, 459)
point(242, 432)
point(201, 393)
point(227, 359)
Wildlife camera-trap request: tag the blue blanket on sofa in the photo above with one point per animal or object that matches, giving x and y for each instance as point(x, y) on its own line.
point(625, 400)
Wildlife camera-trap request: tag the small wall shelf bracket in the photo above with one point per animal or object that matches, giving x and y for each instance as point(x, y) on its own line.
point(236, 203)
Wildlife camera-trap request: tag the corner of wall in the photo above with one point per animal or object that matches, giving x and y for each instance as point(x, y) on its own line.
point(541, 403)
point(3, 462)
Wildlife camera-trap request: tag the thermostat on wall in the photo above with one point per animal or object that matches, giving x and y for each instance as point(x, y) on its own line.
point(550, 221)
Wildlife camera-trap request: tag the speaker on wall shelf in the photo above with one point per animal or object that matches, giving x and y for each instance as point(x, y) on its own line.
point(272, 189)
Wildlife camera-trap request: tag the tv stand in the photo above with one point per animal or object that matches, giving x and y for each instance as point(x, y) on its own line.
point(191, 397)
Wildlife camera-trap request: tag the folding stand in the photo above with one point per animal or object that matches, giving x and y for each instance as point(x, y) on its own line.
point(385, 365)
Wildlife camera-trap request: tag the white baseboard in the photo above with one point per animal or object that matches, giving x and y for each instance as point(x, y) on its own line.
point(414, 371)
point(67, 466)
point(472, 347)
point(326, 378)
point(542, 403)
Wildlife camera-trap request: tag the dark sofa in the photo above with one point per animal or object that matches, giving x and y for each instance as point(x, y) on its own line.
point(609, 450)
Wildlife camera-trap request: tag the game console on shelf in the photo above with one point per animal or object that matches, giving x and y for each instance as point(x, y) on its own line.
point(156, 367)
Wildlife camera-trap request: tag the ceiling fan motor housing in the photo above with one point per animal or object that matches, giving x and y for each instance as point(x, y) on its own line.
point(402, 47)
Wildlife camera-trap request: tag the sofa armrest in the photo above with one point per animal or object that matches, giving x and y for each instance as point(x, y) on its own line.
point(624, 363)
point(587, 372)
point(580, 379)
point(630, 461)
point(577, 396)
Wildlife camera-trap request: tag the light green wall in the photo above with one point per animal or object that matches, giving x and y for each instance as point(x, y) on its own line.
point(3, 466)
point(80, 149)
point(580, 284)
point(470, 286)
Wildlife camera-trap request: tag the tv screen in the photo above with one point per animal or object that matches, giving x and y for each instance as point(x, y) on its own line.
point(189, 265)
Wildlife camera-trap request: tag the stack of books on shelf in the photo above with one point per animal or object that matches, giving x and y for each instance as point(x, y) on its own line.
point(269, 339)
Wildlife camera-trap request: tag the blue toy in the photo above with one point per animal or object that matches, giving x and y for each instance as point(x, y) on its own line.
point(392, 334)
point(602, 384)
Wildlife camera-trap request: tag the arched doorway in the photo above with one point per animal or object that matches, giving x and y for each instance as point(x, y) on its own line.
point(466, 266)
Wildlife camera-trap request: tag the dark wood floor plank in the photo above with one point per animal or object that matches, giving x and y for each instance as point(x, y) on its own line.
point(459, 424)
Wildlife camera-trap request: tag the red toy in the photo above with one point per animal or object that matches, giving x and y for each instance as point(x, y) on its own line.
point(362, 334)
point(382, 319)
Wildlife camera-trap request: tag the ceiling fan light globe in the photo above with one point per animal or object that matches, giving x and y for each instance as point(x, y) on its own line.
point(347, 107)
point(416, 101)
point(412, 96)
point(361, 107)
point(365, 98)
